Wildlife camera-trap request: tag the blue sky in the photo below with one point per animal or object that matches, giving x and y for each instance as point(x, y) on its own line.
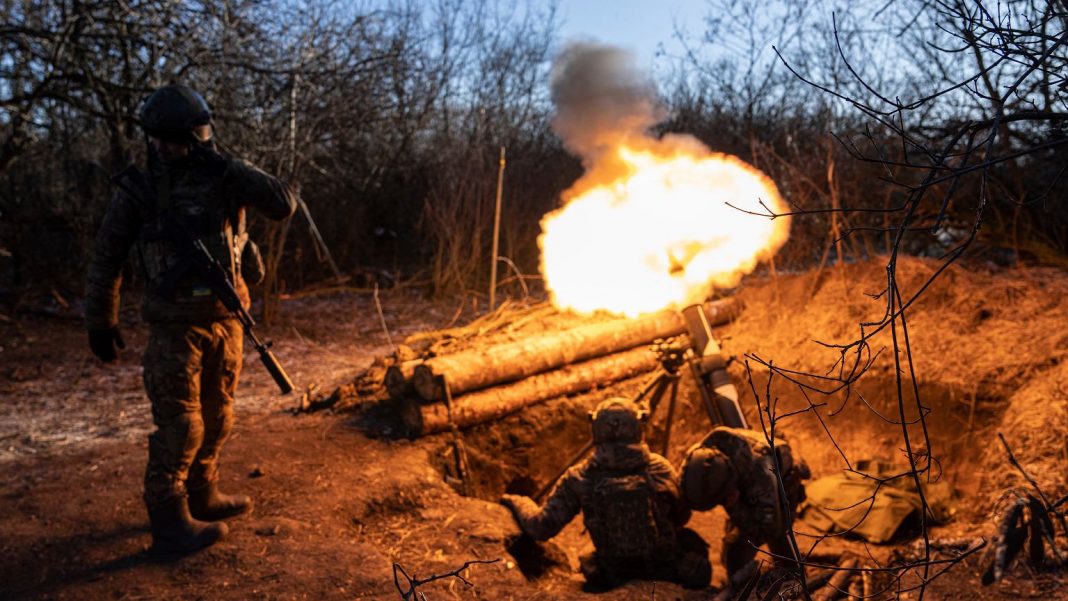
point(637, 25)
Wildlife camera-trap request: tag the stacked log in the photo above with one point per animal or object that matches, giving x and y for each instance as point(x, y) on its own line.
point(496, 402)
point(489, 383)
point(480, 368)
point(398, 379)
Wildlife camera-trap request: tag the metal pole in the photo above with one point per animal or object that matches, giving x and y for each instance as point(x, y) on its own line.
point(496, 235)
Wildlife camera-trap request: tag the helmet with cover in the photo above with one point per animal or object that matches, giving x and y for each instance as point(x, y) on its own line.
point(177, 113)
point(617, 420)
point(707, 478)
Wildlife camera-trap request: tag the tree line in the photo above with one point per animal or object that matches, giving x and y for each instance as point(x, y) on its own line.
point(391, 117)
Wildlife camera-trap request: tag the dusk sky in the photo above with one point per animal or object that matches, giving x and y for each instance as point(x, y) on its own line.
point(638, 25)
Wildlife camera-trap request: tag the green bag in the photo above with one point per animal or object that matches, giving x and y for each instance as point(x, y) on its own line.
point(871, 509)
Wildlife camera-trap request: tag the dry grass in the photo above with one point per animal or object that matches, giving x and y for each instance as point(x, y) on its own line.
point(988, 347)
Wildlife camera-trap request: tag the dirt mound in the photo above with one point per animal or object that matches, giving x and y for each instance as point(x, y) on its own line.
point(969, 328)
point(1036, 427)
point(987, 346)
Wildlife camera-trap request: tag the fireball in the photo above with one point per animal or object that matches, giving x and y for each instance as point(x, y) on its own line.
point(659, 224)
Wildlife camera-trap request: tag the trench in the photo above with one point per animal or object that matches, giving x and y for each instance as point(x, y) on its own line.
point(526, 451)
point(523, 452)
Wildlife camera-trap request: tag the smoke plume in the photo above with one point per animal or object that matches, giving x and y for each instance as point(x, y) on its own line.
point(651, 223)
point(602, 99)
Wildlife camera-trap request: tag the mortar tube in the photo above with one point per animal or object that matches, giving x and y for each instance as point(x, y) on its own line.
point(710, 369)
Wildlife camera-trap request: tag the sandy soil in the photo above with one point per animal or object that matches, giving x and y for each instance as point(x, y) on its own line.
point(336, 505)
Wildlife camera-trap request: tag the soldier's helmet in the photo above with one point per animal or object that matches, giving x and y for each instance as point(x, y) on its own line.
point(707, 477)
point(176, 113)
point(617, 420)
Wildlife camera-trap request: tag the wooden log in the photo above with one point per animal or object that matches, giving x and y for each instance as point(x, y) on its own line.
point(399, 379)
point(481, 368)
point(838, 585)
point(494, 403)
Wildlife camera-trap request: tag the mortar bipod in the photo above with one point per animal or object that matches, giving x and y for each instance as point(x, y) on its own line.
point(666, 378)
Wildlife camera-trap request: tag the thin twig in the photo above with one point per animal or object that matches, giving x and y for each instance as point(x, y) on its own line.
point(1041, 495)
point(414, 583)
point(382, 319)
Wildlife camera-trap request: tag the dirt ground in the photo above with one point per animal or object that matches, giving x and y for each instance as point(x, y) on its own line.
point(337, 503)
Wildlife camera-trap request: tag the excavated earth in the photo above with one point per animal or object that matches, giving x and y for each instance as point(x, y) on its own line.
point(342, 495)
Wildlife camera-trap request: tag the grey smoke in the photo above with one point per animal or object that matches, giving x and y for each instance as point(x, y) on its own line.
point(602, 98)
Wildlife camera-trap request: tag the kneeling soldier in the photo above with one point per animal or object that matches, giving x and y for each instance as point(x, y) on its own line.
point(734, 467)
point(630, 501)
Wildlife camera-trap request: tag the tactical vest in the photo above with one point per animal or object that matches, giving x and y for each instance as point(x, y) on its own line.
point(191, 199)
point(625, 518)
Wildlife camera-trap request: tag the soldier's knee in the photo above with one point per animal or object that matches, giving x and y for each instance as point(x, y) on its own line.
point(691, 542)
point(180, 434)
point(598, 574)
point(172, 389)
point(219, 425)
point(193, 424)
point(694, 570)
point(737, 552)
point(694, 567)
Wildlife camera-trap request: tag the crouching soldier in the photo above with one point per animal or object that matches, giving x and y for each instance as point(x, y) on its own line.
point(735, 468)
point(630, 501)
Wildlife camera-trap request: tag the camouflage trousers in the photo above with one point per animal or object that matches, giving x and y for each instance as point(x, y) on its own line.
point(190, 374)
point(687, 565)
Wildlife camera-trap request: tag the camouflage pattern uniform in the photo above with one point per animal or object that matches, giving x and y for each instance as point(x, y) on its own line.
point(194, 353)
point(748, 489)
point(632, 508)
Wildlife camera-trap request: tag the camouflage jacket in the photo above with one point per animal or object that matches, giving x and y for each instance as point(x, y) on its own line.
point(758, 512)
point(629, 498)
point(210, 197)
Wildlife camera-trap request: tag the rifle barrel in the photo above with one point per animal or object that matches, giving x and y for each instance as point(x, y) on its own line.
point(278, 373)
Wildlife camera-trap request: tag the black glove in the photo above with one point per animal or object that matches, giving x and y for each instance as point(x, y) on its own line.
point(104, 342)
point(213, 162)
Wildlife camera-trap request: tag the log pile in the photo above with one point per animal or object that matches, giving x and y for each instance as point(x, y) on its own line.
point(487, 383)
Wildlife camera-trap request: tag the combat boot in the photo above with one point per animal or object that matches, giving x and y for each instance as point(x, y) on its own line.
point(175, 531)
point(210, 505)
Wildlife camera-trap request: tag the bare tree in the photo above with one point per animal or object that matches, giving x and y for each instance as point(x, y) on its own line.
point(373, 111)
point(958, 136)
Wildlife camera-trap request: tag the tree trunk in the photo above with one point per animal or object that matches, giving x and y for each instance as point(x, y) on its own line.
point(494, 403)
point(480, 368)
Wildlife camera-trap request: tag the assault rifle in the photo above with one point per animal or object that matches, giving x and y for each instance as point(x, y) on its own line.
point(208, 266)
point(197, 257)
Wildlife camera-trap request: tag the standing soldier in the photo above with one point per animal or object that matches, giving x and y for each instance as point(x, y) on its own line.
point(630, 503)
point(194, 352)
point(734, 467)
